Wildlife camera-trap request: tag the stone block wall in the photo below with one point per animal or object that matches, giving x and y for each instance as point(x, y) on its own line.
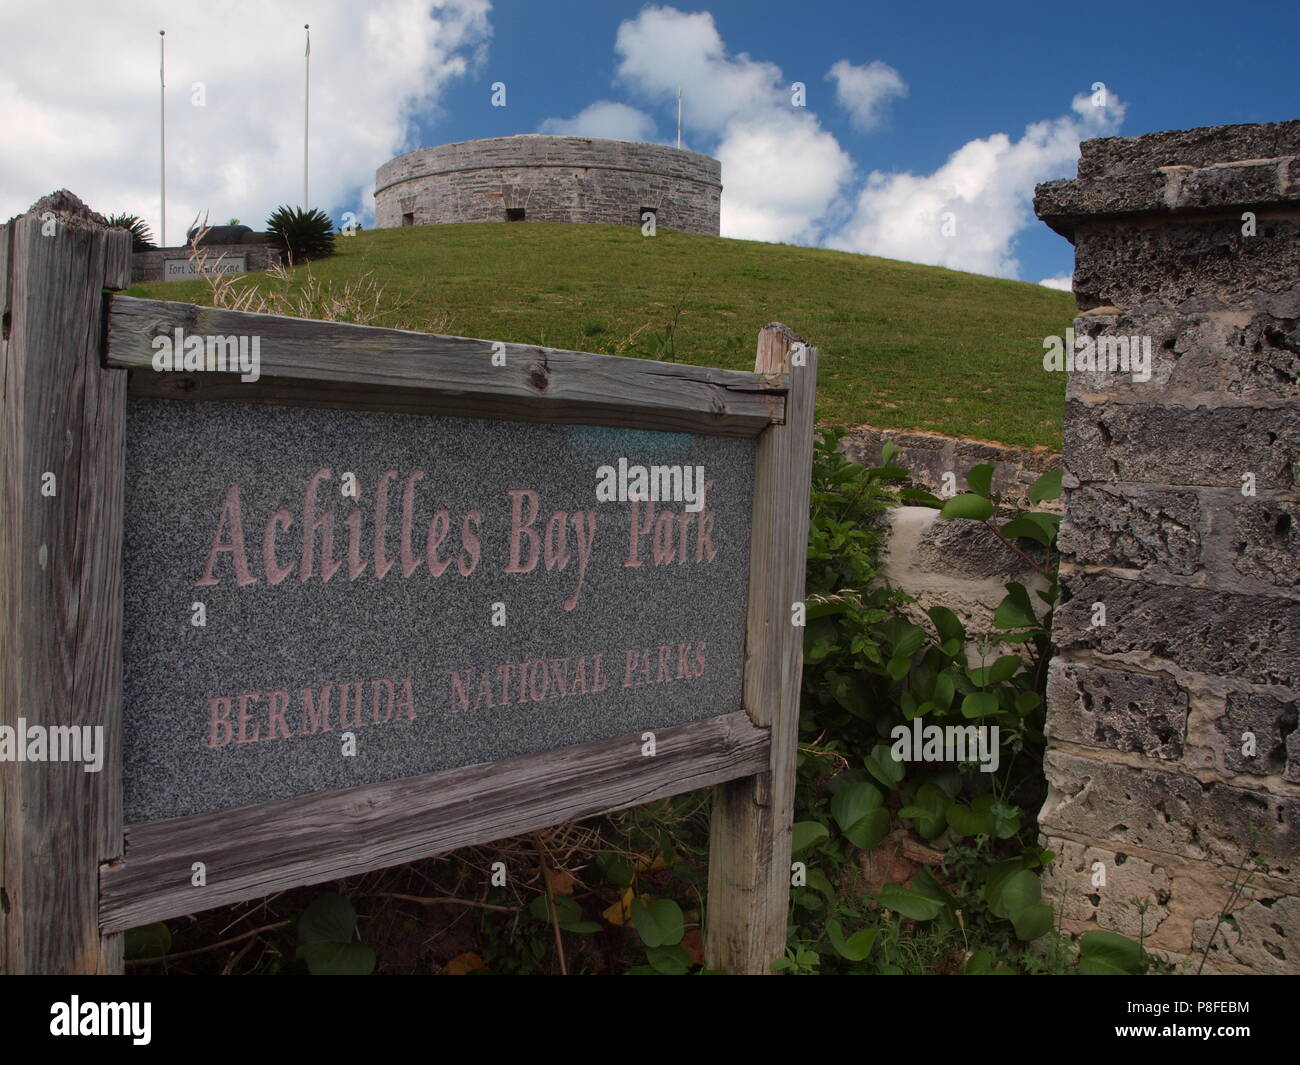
point(957, 564)
point(551, 179)
point(1173, 751)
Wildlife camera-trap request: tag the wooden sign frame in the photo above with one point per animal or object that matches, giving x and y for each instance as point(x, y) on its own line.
point(74, 876)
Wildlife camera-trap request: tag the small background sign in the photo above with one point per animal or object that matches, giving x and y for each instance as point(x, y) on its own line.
point(184, 269)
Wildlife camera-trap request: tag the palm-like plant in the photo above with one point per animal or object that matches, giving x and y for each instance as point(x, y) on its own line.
point(141, 235)
point(302, 235)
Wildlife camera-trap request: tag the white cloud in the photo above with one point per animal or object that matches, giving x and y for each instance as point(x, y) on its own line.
point(967, 214)
point(80, 100)
point(663, 49)
point(781, 171)
point(604, 118)
point(864, 91)
point(780, 174)
point(1065, 282)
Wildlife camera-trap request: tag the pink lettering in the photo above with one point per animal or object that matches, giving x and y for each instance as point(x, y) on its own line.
point(229, 516)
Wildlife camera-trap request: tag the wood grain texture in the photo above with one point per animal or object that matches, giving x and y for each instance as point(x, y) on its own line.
point(362, 367)
point(60, 584)
point(255, 850)
point(749, 852)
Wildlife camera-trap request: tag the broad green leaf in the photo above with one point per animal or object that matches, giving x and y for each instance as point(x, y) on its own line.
point(888, 452)
point(928, 811)
point(1048, 486)
point(858, 808)
point(669, 961)
point(615, 868)
point(884, 766)
point(943, 691)
point(1015, 611)
point(909, 903)
point(568, 914)
point(867, 832)
point(1011, 895)
point(919, 498)
point(898, 667)
point(659, 923)
point(325, 939)
point(979, 704)
point(967, 505)
point(907, 704)
point(1004, 668)
point(965, 821)
point(1108, 954)
point(925, 884)
point(857, 946)
point(820, 608)
point(1006, 818)
point(818, 881)
point(808, 834)
point(329, 919)
point(149, 941)
point(1027, 702)
point(1033, 921)
point(908, 641)
point(854, 801)
point(947, 624)
point(1040, 527)
point(980, 479)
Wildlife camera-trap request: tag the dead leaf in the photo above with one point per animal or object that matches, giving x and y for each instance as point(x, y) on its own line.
point(693, 944)
point(560, 881)
point(621, 912)
point(462, 964)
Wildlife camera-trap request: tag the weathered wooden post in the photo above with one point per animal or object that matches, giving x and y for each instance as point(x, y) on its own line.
point(749, 847)
point(61, 467)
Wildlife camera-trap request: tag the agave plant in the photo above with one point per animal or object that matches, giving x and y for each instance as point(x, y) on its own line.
point(141, 235)
point(302, 235)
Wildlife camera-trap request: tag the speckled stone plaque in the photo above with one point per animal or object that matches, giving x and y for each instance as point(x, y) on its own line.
point(317, 599)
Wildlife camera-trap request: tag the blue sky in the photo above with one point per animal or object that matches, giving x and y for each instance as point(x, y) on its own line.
point(971, 70)
point(926, 117)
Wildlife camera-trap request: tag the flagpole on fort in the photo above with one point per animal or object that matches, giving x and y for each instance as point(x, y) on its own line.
point(679, 116)
point(162, 136)
point(306, 111)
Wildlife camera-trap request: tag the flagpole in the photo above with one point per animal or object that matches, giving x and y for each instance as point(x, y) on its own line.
point(679, 116)
point(162, 136)
point(306, 111)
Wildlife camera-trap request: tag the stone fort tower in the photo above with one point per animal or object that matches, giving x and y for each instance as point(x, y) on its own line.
point(537, 178)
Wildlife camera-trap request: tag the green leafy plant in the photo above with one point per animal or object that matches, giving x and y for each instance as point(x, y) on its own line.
point(327, 939)
point(141, 234)
point(871, 671)
point(301, 235)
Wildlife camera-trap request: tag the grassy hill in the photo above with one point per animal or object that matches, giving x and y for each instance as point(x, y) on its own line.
point(902, 346)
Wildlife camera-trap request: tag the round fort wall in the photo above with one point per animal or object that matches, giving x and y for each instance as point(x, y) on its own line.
point(537, 178)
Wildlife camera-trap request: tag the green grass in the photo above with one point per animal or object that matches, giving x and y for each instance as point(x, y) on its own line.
point(902, 346)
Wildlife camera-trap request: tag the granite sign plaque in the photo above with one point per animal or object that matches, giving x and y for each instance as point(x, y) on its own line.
point(187, 270)
point(317, 599)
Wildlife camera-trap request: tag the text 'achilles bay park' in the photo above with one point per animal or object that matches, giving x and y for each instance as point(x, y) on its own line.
point(381, 539)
